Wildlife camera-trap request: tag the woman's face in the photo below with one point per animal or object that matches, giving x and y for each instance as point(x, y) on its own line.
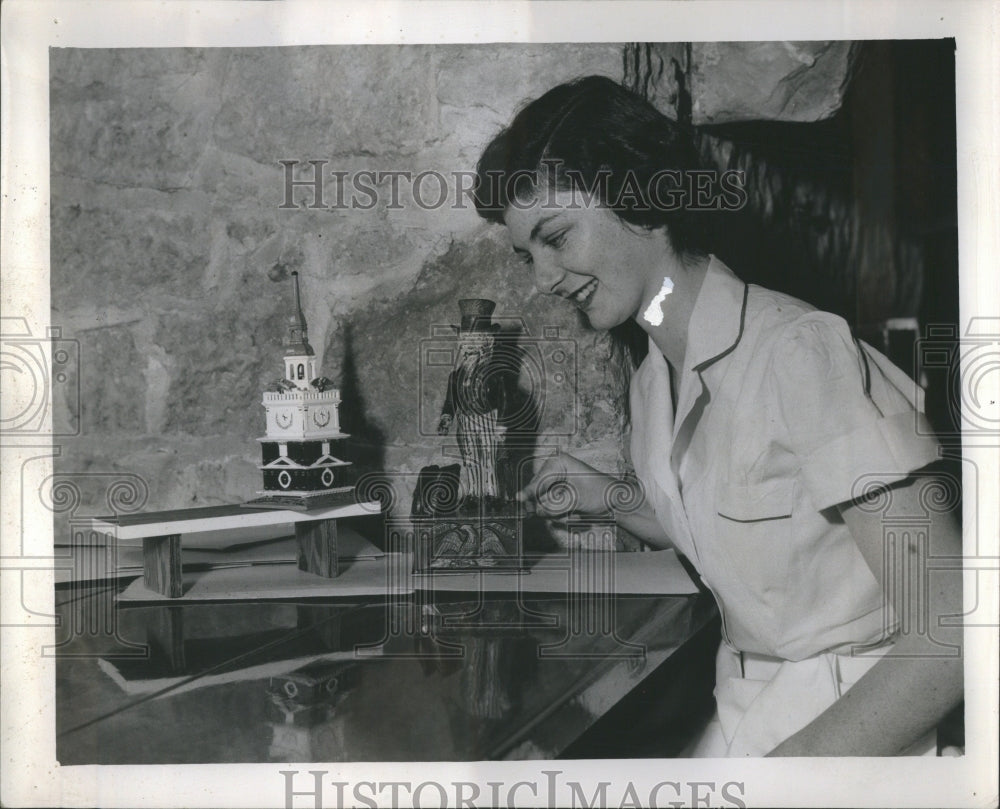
point(586, 254)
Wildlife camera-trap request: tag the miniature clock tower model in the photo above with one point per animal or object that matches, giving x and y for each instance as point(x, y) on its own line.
point(303, 422)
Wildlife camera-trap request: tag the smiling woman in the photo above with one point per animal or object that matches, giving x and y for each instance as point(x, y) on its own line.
point(587, 254)
point(761, 432)
point(592, 180)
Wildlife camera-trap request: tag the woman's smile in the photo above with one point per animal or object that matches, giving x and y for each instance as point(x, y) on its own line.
point(585, 294)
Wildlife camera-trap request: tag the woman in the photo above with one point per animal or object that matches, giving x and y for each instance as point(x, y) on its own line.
point(757, 425)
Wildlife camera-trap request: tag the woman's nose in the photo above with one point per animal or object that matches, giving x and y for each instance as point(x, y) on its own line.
point(547, 276)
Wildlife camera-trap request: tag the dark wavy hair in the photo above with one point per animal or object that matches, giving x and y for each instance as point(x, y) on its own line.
point(594, 136)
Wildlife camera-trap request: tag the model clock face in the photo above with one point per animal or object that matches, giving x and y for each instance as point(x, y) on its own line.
point(283, 418)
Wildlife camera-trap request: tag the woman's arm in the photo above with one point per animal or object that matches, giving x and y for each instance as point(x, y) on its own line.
point(565, 486)
point(643, 525)
point(907, 693)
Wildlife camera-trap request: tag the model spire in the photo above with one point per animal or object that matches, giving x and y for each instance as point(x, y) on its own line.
point(298, 331)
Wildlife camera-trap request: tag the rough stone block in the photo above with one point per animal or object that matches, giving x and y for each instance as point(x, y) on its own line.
point(326, 100)
point(769, 81)
point(113, 384)
point(126, 246)
point(134, 118)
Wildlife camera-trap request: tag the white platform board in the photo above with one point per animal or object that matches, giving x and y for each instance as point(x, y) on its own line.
point(284, 581)
point(220, 518)
point(650, 573)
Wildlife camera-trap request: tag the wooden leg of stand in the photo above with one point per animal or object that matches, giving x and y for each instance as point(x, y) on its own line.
point(161, 563)
point(317, 543)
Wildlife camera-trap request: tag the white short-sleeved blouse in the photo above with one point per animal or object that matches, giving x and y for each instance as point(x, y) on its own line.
point(780, 417)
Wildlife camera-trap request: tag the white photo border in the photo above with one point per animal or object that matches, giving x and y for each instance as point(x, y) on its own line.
point(32, 777)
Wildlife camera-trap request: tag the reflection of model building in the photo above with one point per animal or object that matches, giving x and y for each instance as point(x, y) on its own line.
point(303, 422)
point(303, 701)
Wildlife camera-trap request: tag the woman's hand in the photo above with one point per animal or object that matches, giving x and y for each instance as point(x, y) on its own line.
point(565, 486)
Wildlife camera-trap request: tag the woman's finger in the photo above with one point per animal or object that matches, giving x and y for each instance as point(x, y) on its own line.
point(559, 532)
point(550, 492)
point(557, 493)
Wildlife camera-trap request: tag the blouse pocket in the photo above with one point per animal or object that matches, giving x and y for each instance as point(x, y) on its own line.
point(754, 502)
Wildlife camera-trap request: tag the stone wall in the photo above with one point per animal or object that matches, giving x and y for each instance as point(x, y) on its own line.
point(167, 229)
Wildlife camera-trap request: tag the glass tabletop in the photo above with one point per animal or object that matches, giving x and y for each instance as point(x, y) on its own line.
point(426, 677)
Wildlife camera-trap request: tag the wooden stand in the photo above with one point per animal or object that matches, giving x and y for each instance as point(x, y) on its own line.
point(161, 564)
point(317, 544)
point(162, 532)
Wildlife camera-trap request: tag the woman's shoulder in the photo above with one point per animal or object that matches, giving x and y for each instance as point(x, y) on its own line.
point(788, 324)
point(776, 307)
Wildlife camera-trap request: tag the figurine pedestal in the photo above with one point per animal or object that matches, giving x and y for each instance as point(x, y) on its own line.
point(162, 533)
point(472, 538)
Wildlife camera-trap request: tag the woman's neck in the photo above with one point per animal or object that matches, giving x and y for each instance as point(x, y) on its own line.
point(671, 292)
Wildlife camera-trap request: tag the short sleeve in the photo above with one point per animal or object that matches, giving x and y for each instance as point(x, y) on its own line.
point(848, 415)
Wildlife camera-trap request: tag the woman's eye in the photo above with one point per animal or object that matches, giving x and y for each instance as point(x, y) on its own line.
point(556, 240)
point(526, 259)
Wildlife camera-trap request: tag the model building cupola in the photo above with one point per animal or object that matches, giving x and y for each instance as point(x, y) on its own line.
point(300, 359)
point(302, 414)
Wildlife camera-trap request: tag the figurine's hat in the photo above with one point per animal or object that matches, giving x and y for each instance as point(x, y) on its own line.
point(476, 314)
